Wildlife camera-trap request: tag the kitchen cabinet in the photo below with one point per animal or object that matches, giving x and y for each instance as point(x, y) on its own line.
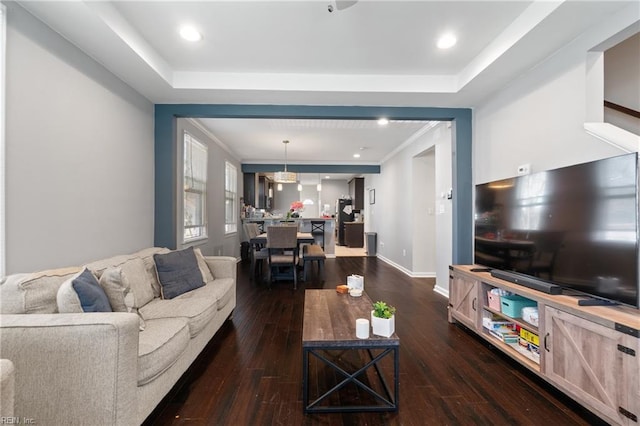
point(356, 190)
point(249, 188)
point(354, 234)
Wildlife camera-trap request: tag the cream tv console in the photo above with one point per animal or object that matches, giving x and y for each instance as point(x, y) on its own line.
point(592, 353)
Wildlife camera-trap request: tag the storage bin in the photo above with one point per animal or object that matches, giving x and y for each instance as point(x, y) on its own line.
point(512, 305)
point(530, 315)
point(494, 301)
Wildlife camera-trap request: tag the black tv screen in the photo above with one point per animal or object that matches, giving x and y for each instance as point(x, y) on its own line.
point(576, 226)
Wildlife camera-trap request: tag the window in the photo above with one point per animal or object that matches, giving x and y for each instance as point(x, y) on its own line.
point(195, 189)
point(230, 198)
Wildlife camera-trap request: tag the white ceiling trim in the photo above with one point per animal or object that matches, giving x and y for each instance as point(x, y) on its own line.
point(132, 38)
point(453, 83)
point(315, 82)
point(520, 27)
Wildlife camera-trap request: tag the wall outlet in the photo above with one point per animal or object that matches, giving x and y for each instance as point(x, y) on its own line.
point(404, 252)
point(524, 169)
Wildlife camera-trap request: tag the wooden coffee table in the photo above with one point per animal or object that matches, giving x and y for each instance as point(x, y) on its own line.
point(330, 349)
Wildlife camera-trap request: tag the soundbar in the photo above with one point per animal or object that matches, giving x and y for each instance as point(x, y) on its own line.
point(527, 281)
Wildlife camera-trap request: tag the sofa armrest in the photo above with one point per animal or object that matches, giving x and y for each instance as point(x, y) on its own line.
point(7, 387)
point(73, 368)
point(222, 266)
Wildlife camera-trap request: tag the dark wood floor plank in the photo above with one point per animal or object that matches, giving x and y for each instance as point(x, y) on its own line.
point(251, 371)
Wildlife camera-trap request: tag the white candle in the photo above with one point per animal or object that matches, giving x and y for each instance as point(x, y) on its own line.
point(362, 328)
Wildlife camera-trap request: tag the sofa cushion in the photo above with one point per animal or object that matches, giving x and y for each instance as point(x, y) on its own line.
point(134, 268)
point(202, 265)
point(224, 290)
point(139, 281)
point(150, 265)
point(33, 293)
point(178, 272)
point(160, 345)
point(82, 293)
point(196, 307)
point(116, 285)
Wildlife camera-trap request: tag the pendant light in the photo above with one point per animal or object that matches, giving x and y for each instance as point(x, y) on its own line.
point(285, 176)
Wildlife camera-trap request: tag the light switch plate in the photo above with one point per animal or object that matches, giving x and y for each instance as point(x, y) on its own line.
point(524, 169)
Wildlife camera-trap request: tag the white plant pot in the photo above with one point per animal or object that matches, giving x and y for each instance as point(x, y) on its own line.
point(383, 326)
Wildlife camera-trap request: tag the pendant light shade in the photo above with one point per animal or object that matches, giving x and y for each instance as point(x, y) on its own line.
point(285, 176)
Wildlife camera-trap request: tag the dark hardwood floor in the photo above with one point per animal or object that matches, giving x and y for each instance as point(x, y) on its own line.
point(251, 371)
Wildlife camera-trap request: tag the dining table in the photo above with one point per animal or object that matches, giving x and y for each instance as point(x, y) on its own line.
point(303, 238)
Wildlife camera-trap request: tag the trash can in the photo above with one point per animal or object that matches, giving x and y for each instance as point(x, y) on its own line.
point(371, 243)
point(244, 251)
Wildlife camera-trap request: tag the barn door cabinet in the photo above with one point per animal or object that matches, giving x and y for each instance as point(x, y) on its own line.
point(596, 365)
point(463, 300)
point(592, 353)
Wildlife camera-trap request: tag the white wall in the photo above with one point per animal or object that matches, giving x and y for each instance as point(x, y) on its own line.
point(218, 243)
point(539, 118)
point(79, 154)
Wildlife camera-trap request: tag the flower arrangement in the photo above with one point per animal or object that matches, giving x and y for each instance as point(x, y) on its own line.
point(296, 208)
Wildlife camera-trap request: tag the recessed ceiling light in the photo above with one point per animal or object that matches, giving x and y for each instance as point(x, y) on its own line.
point(356, 155)
point(327, 177)
point(383, 121)
point(446, 41)
point(189, 33)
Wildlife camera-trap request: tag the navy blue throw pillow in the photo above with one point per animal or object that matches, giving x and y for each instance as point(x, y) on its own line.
point(92, 296)
point(178, 272)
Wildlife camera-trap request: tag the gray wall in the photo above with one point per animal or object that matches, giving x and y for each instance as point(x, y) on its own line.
point(217, 243)
point(79, 154)
point(395, 214)
point(332, 189)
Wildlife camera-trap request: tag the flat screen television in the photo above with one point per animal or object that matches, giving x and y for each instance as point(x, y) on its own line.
point(575, 226)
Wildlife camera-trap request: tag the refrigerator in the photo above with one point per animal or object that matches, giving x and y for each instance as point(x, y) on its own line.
point(344, 213)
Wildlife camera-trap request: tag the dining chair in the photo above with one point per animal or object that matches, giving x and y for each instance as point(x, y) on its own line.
point(282, 245)
point(257, 252)
point(317, 229)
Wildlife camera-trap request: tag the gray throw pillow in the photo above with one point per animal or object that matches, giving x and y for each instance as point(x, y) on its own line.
point(178, 272)
point(91, 296)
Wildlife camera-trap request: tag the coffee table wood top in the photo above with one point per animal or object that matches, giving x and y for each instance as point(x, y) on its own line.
point(330, 319)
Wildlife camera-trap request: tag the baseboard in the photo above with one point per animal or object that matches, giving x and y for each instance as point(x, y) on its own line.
point(441, 291)
point(407, 271)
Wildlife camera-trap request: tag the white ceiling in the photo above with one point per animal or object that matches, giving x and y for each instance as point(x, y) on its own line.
point(374, 53)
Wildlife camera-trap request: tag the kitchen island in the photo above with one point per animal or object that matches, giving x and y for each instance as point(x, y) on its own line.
point(304, 225)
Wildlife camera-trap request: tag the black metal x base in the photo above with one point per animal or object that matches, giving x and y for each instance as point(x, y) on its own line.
point(387, 402)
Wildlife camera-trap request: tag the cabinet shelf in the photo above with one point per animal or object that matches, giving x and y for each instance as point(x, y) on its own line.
point(523, 358)
point(517, 321)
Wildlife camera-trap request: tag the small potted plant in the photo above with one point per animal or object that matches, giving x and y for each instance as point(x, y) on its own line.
point(383, 319)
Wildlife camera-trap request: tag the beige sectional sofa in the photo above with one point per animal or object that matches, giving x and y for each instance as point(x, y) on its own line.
point(104, 368)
